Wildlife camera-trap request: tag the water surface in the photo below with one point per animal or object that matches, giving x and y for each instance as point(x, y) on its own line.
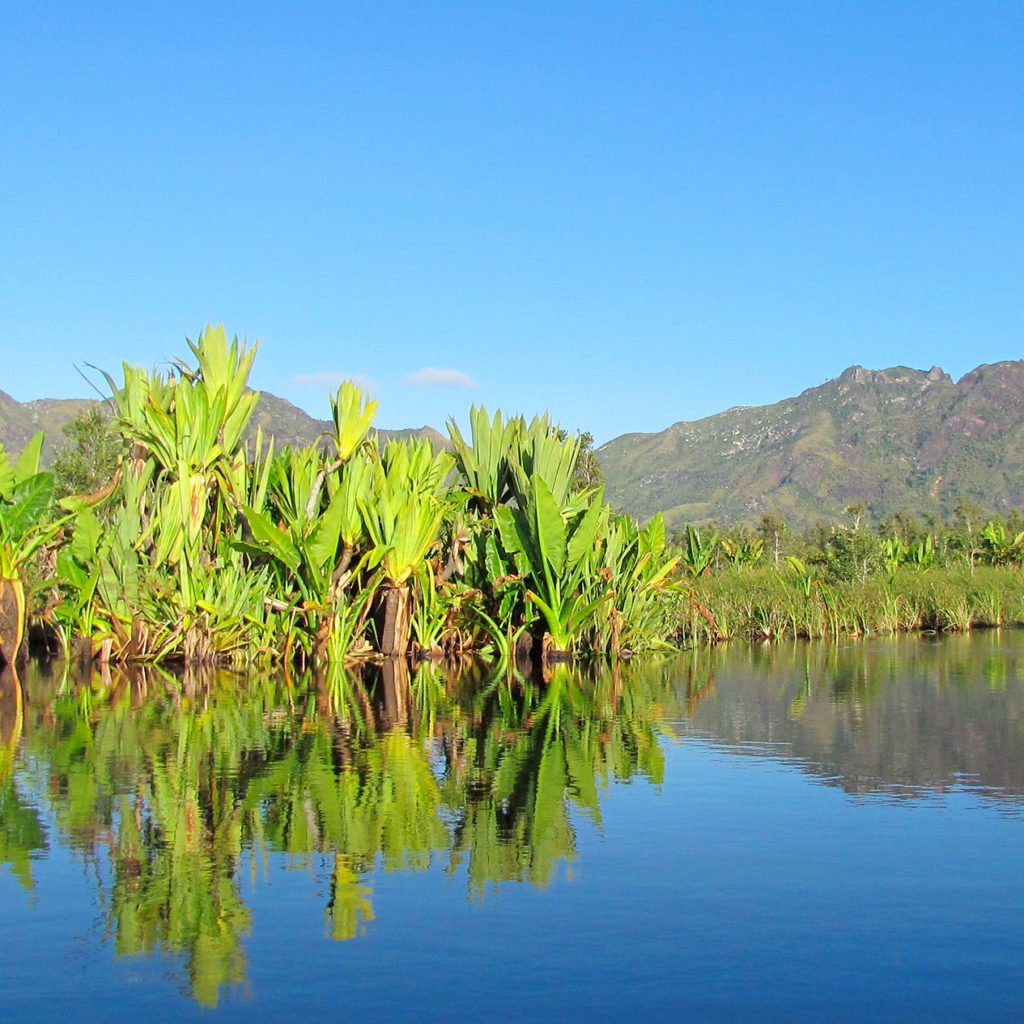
point(801, 832)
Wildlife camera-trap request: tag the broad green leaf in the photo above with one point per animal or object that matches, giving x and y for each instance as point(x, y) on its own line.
point(6, 475)
point(322, 545)
point(582, 541)
point(85, 540)
point(652, 536)
point(546, 518)
point(28, 462)
point(271, 540)
point(31, 497)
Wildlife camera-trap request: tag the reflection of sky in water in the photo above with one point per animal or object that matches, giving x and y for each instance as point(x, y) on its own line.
point(738, 887)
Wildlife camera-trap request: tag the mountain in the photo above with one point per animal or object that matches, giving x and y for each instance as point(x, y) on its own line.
point(896, 440)
point(289, 424)
point(20, 421)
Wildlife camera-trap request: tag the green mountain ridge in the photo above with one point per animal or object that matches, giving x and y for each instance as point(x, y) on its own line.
point(896, 440)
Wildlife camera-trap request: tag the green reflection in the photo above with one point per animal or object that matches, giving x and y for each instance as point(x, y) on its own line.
point(514, 776)
point(21, 832)
point(165, 782)
point(166, 785)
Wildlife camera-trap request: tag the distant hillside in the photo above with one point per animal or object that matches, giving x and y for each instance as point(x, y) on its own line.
point(896, 439)
point(19, 421)
point(288, 424)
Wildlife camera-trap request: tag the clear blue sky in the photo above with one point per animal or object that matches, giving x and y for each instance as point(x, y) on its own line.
point(627, 213)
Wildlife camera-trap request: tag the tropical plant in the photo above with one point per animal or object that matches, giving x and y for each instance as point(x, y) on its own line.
point(403, 522)
point(641, 575)
point(698, 551)
point(998, 546)
point(553, 547)
point(484, 465)
point(743, 550)
point(894, 553)
point(25, 494)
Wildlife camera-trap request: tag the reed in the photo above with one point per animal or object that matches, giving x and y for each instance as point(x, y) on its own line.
point(762, 604)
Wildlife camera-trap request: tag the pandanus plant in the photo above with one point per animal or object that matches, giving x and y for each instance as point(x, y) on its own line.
point(553, 547)
point(193, 427)
point(635, 561)
point(403, 518)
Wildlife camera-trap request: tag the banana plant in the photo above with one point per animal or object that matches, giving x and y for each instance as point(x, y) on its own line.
point(998, 546)
point(922, 553)
point(894, 553)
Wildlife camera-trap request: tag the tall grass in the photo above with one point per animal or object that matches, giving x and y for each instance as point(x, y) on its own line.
point(762, 604)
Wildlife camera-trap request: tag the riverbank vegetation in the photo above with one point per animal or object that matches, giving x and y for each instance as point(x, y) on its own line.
point(208, 545)
point(169, 531)
point(852, 580)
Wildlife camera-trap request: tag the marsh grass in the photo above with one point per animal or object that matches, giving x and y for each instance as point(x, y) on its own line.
point(765, 605)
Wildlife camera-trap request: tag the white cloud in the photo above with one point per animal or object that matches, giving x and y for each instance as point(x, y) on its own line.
point(331, 381)
point(433, 378)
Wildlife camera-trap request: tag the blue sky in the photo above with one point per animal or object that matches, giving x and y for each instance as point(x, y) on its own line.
point(626, 213)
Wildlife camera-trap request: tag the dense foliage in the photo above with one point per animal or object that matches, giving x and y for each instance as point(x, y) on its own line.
point(202, 547)
point(166, 531)
point(850, 580)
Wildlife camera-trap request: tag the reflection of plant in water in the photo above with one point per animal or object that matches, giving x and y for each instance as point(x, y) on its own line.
point(176, 841)
point(700, 676)
point(172, 779)
point(365, 796)
point(154, 789)
point(350, 906)
point(21, 832)
point(516, 774)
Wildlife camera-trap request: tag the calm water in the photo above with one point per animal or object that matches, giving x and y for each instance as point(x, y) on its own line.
point(791, 833)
